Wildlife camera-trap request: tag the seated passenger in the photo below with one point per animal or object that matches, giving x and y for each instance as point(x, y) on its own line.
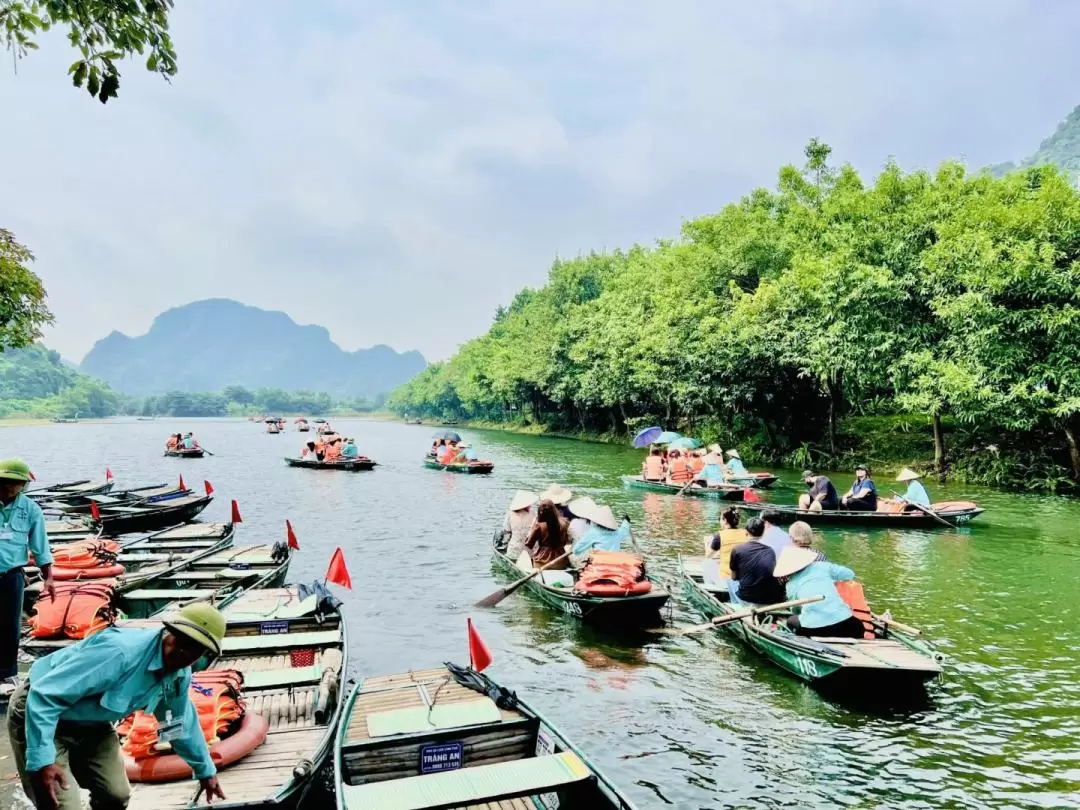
point(548, 537)
point(679, 471)
point(752, 564)
point(605, 533)
point(916, 493)
point(350, 450)
point(804, 576)
point(581, 510)
point(721, 544)
point(518, 523)
point(802, 536)
point(734, 467)
point(653, 467)
point(862, 497)
point(560, 496)
point(333, 450)
point(189, 442)
point(713, 471)
point(822, 494)
point(697, 462)
point(173, 442)
point(442, 452)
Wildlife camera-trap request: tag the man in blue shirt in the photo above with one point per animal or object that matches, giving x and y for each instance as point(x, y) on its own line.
point(60, 720)
point(22, 530)
point(775, 537)
point(862, 497)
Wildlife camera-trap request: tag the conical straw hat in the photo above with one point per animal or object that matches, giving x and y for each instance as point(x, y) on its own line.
point(522, 500)
point(792, 560)
point(583, 507)
point(907, 474)
point(557, 494)
point(603, 516)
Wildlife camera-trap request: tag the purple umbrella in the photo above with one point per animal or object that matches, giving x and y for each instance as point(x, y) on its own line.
point(646, 437)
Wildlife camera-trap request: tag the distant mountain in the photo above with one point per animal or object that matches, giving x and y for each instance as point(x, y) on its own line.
point(207, 345)
point(1062, 149)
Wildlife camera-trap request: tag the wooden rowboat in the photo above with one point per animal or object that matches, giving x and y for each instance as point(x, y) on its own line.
point(759, 480)
point(723, 492)
point(637, 610)
point(466, 467)
point(186, 452)
point(116, 520)
point(453, 738)
point(72, 489)
point(291, 646)
point(892, 661)
point(955, 513)
point(358, 464)
point(137, 496)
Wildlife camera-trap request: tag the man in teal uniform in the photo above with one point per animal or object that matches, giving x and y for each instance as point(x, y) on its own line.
point(22, 530)
point(60, 720)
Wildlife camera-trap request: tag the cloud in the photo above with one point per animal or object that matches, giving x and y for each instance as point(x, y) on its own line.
point(395, 171)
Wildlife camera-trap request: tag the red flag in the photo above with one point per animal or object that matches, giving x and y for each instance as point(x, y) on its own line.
point(95, 513)
point(479, 654)
point(292, 536)
point(183, 486)
point(209, 488)
point(750, 496)
point(236, 513)
point(31, 474)
point(337, 572)
point(108, 474)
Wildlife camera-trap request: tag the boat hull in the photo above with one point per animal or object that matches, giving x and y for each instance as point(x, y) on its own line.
point(892, 520)
point(151, 518)
point(343, 465)
point(724, 493)
point(194, 452)
point(474, 468)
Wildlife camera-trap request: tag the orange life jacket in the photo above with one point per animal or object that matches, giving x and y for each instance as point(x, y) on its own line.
point(654, 468)
point(171, 444)
point(79, 610)
point(680, 471)
point(333, 451)
point(697, 465)
point(605, 569)
point(851, 592)
point(86, 559)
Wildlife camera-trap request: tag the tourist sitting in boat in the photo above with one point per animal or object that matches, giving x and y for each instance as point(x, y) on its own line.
point(805, 576)
point(548, 538)
point(580, 509)
point(654, 467)
point(174, 441)
point(560, 496)
point(916, 493)
point(752, 564)
point(822, 494)
point(350, 450)
point(712, 471)
point(696, 460)
point(605, 533)
point(470, 453)
point(679, 469)
point(313, 449)
point(189, 442)
point(734, 467)
point(802, 536)
point(774, 536)
point(442, 451)
point(518, 523)
point(333, 449)
point(862, 497)
point(720, 545)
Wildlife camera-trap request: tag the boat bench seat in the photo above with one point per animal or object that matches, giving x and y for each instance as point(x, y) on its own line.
point(274, 678)
point(278, 641)
point(503, 780)
point(166, 593)
point(206, 576)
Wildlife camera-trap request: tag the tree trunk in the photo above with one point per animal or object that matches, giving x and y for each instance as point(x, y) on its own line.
point(939, 447)
point(1074, 449)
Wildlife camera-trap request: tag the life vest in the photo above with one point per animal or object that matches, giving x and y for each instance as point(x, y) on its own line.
point(697, 465)
point(851, 592)
point(613, 573)
point(86, 559)
point(333, 451)
point(171, 444)
point(654, 468)
point(680, 471)
point(79, 610)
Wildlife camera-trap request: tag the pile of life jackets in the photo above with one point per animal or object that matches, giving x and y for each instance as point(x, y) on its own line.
point(79, 610)
point(613, 573)
point(87, 559)
point(217, 698)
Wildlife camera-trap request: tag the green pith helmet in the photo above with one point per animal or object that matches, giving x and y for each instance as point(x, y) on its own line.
point(14, 469)
point(202, 623)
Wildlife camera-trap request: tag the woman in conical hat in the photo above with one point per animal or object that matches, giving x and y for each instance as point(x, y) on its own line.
point(803, 576)
point(518, 522)
point(916, 493)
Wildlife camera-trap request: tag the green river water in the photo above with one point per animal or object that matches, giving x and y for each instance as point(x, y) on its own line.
point(691, 722)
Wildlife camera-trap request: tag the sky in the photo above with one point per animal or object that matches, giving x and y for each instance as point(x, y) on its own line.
point(396, 170)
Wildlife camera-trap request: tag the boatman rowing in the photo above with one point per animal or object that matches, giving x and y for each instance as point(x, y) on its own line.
point(60, 720)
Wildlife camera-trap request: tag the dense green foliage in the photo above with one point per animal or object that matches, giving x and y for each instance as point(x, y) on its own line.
point(35, 382)
point(951, 297)
point(1062, 149)
point(236, 400)
point(104, 32)
point(208, 345)
point(22, 298)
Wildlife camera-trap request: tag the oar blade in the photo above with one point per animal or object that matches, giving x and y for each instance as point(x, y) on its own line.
point(493, 599)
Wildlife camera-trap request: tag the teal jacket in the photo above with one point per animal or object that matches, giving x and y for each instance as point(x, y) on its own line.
point(103, 679)
point(817, 579)
point(916, 493)
point(26, 524)
point(601, 539)
point(350, 451)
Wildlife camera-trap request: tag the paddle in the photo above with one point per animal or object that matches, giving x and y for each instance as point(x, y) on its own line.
point(502, 593)
point(926, 509)
point(206, 451)
point(888, 622)
point(731, 617)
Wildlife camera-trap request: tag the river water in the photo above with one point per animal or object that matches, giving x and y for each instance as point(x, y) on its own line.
point(693, 722)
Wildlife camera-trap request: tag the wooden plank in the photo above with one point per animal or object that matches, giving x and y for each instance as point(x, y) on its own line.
point(284, 641)
point(166, 593)
point(282, 677)
point(189, 530)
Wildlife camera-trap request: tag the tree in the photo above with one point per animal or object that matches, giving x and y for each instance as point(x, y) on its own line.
point(238, 394)
point(104, 32)
point(22, 298)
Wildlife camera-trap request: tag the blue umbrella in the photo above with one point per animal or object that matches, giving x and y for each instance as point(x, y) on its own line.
point(667, 437)
point(646, 437)
point(449, 435)
point(684, 443)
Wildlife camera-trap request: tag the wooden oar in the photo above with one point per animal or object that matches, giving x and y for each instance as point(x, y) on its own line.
point(926, 509)
point(903, 628)
point(731, 617)
point(502, 593)
point(207, 451)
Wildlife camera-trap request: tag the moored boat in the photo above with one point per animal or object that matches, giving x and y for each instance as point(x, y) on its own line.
point(892, 660)
point(632, 610)
point(953, 513)
point(290, 646)
point(453, 738)
point(71, 489)
point(80, 505)
point(116, 520)
point(723, 492)
point(185, 452)
point(358, 464)
point(466, 467)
